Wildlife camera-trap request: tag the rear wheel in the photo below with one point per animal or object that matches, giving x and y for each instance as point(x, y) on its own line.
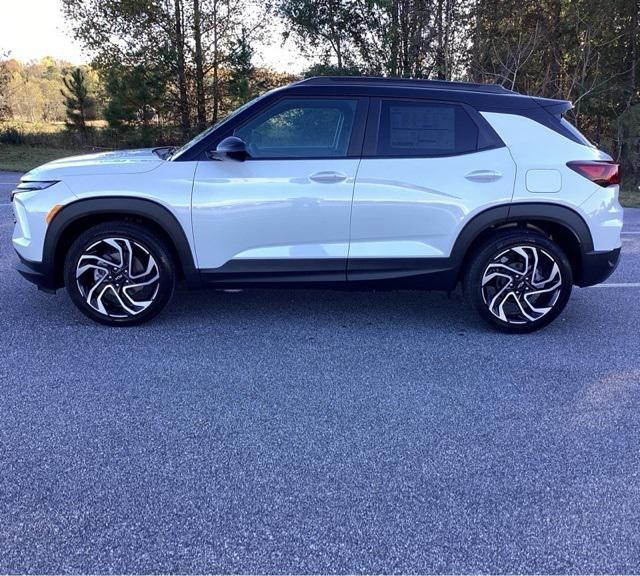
point(119, 273)
point(519, 281)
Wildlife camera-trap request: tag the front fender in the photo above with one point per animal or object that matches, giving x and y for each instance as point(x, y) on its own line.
point(116, 206)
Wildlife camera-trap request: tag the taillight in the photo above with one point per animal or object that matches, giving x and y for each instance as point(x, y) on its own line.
point(602, 172)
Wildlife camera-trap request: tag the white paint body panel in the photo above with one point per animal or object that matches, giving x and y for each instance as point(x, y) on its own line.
point(116, 162)
point(141, 175)
point(416, 207)
point(30, 210)
point(271, 209)
point(536, 147)
point(549, 181)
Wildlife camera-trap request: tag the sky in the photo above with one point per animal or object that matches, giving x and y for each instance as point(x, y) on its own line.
point(31, 29)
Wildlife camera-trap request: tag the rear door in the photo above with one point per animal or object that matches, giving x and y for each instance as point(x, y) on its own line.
point(428, 167)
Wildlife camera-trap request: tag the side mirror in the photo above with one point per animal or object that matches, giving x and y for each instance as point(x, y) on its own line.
point(231, 147)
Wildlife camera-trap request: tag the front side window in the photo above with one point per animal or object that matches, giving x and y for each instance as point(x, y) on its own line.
point(301, 128)
point(197, 139)
point(425, 129)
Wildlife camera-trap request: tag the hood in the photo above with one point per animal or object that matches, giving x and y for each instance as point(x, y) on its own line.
point(117, 162)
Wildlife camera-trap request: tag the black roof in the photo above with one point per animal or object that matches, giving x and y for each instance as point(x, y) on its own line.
point(487, 97)
point(413, 82)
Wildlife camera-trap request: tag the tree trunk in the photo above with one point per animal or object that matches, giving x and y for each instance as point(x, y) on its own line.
point(627, 143)
point(394, 35)
point(216, 90)
point(475, 74)
point(185, 124)
point(216, 65)
point(440, 48)
point(338, 51)
point(197, 36)
point(633, 41)
point(336, 32)
point(555, 90)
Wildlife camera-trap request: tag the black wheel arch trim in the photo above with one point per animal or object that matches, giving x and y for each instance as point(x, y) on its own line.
point(506, 214)
point(119, 206)
point(557, 214)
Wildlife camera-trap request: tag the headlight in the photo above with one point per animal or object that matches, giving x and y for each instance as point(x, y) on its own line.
point(32, 185)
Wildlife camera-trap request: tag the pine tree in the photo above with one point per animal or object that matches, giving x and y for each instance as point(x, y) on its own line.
point(5, 77)
point(79, 104)
point(241, 70)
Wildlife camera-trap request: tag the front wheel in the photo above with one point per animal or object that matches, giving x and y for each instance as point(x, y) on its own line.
point(518, 281)
point(119, 273)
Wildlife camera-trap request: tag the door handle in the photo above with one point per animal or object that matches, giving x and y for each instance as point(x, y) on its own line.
point(483, 176)
point(328, 177)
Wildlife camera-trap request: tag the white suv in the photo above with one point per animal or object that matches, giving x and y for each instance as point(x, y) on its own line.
point(354, 183)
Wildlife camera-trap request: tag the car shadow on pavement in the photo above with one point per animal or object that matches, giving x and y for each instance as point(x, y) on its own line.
point(324, 308)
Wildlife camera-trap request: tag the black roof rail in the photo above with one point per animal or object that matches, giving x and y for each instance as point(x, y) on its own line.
point(418, 83)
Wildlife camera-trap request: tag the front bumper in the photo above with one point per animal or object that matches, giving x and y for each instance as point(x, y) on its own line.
point(30, 209)
point(598, 266)
point(37, 274)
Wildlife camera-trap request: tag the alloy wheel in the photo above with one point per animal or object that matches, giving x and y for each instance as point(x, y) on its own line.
point(521, 284)
point(118, 277)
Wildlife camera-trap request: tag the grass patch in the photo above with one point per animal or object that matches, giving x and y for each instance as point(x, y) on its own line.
point(99, 135)
point(630, 196)
point(25, 158)
point(40, 127)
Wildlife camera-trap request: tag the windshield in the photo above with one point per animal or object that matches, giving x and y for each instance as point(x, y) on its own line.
point(208, 131)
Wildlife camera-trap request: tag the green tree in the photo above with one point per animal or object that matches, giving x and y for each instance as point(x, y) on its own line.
point(241, 71)
point(585, 51)
point(135, 98)
point(134, 45)
point(5, 80)
point(321, 28)
point(410, 38)
point(186, 42)
point(79, 104)
point(322, 69)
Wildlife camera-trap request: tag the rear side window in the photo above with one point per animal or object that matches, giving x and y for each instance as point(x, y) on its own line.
point(425, 129)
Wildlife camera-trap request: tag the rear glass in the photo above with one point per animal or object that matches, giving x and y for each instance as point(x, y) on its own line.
point(425, 129)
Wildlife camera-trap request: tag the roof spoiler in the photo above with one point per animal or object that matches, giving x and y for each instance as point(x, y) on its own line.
point(553, 106)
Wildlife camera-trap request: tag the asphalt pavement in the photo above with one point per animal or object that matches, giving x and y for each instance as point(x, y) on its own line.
point(317, 431)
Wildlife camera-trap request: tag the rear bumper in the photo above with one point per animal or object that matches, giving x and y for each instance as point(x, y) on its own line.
point(37, 274)
point(598, 266)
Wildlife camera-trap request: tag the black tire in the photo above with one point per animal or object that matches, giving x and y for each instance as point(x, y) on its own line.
point(518, 294)
point(151, 260)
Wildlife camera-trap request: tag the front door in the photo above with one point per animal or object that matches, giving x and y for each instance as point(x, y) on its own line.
point(284, 213)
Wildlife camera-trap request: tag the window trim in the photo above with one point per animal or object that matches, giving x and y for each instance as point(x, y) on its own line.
point(372, 133)
point(354, 149)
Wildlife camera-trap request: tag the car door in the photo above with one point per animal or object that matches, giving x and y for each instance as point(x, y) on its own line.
point(427, 168)
point(283, 213)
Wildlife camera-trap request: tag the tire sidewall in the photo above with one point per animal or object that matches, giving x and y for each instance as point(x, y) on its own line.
point(493, 247)
point(138, 234)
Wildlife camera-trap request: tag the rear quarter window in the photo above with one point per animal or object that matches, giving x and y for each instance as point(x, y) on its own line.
point(579, 136)
point(425, 129)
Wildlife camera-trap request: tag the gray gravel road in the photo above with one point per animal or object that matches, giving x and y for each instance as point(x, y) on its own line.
point(314, 431)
